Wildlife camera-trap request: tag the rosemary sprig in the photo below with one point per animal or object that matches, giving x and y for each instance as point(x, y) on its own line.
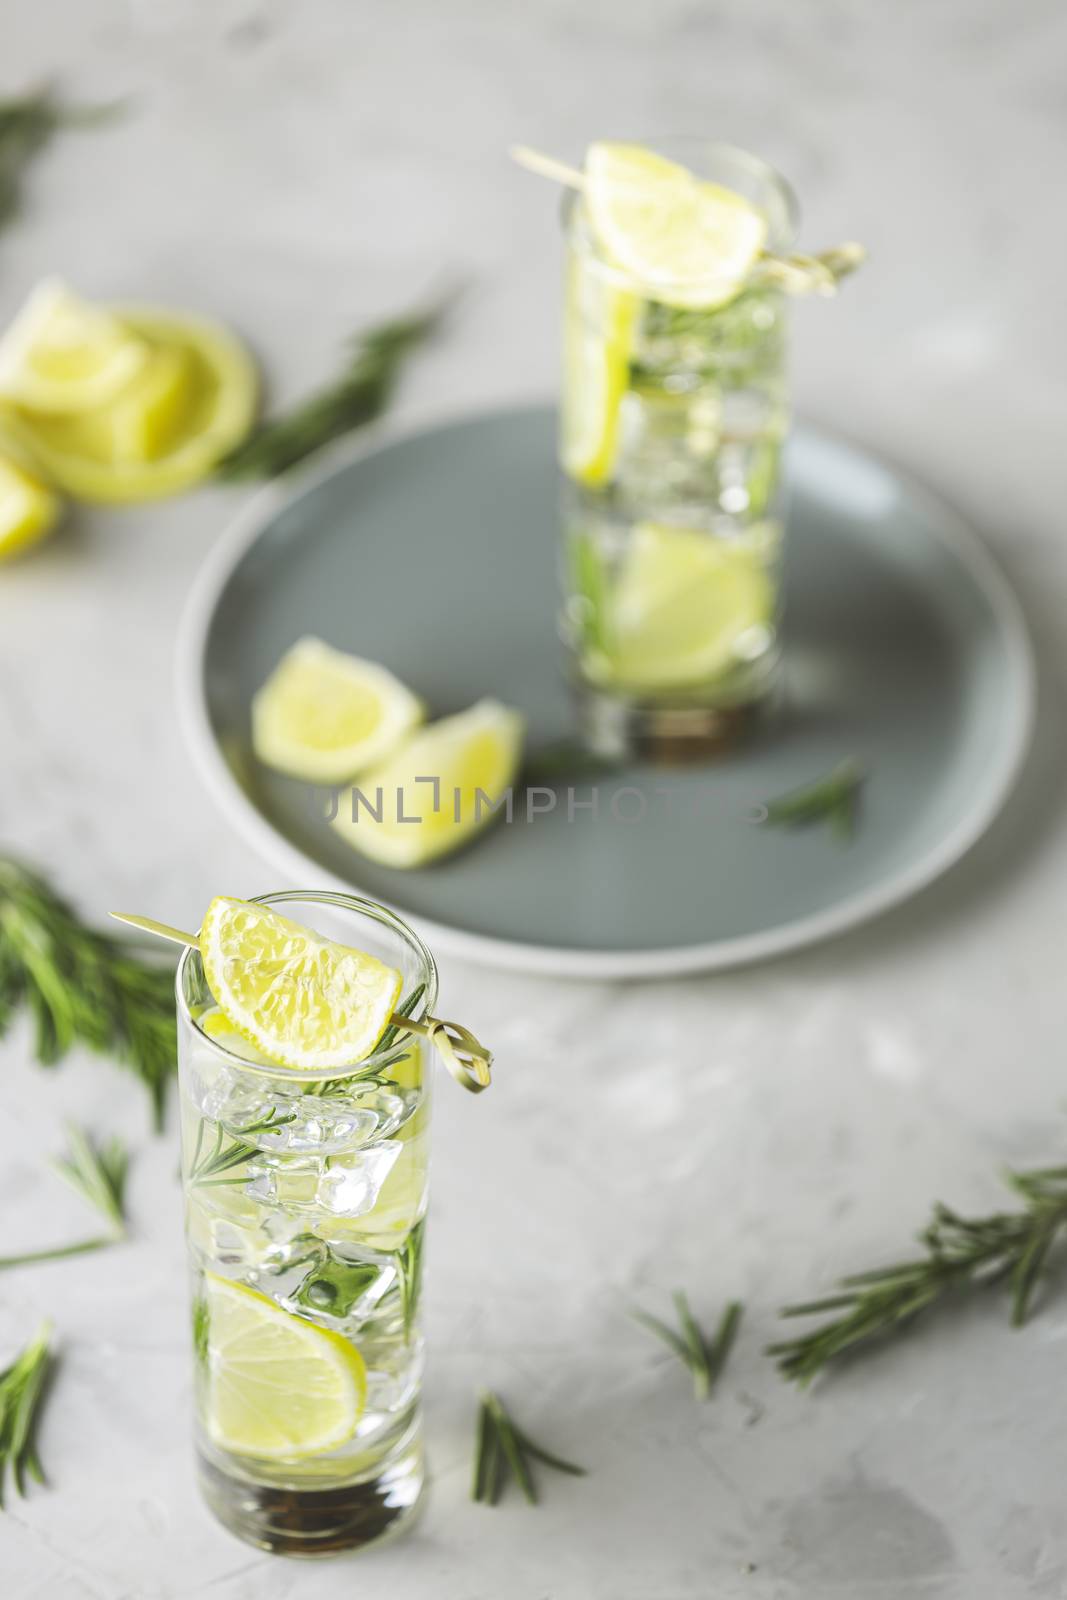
point(27, 123)
point(201, 1320)
point(335, 1286)
point(833, 799)
point(206, 1167)
point(961, 1254)
point(408, 1262)
point(502, 1448)
point(404, 1009)
point(99, 1174)
point(82, 986)
point(360, 393)
point(22, 1387)
point(705, 1358)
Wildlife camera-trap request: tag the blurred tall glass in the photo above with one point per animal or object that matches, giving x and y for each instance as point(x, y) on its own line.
point(672, 423)
point(309, 1190)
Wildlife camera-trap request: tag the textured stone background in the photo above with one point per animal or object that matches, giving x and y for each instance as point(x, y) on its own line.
point(296, 167)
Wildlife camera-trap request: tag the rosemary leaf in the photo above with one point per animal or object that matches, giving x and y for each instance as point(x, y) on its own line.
point(546, 1457)
point(725, 1334)
point(57, 1252)
point(358, 395)
point(501, 1448)
point(334, 1286)
point(81, 986)
point(697, 1354)
point(509, 1445)
point(404, 1009)
point(409, 1276)
point(705, 1360)
point(22, 1387)
point(98, 1174)
point(201, 1330)
point(27, 124)
point(664, 1332)
point(833, 799)
point(229, 1150)
point(483, 1438)
point(961, 1255)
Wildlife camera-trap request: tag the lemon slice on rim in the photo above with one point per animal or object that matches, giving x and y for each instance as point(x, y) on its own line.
point(323, 715)
point(62, 354)
point(598, 334)
point(276, 1385)
point(27, 509)
point(683, 241)
point(440, 787)
point(302, 1000)
point(192, 400)
point(683, 609)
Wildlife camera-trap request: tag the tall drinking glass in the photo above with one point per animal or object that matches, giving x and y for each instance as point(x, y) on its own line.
point(674, 411)
point(305, 1202)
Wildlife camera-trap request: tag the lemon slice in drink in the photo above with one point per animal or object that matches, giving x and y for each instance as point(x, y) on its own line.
point(192, 400)
point(302, 1000)
point(216, 1025)
point(63, 355)
point(277, 1386)
point(440, 788)
point(683, 241)
point(598, 334)
point(323, 715)
point(27, 509)
point(682, 608)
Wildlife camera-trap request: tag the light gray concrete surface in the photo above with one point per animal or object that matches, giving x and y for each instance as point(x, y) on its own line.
point(294, 168)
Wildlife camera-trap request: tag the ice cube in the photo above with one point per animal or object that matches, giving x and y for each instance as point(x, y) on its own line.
point(291, 1184)
point(290, 1242)
point(311, 1123)
point(351, 1188)
point(228, 1097)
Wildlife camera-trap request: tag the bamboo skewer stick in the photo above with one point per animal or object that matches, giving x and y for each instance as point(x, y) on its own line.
point(468, 1061)
point(547, 166)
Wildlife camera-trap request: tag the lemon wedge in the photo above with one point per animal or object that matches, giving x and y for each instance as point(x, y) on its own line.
point(682, 241)
point(437, 790)
point(149, 416)
point(191, 400)
point(324, 715)
point(276, 1386)
point(28, 510)
point(62, 354)
point(684, 609)
point(598, 334)
point(302, 1000)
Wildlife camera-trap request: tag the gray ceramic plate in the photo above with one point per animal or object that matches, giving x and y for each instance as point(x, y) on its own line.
point(434, 552)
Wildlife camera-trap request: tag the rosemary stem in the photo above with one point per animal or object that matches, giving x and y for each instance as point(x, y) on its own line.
point(59, 1251)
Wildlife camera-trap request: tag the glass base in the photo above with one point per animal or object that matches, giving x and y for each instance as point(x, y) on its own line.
point(617, 728)
point(317, 1521)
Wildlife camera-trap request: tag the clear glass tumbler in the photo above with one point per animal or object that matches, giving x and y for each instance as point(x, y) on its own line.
point(305, 1203)
point(672, 422)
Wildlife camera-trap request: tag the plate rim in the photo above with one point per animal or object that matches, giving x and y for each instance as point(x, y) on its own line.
point(242, 531)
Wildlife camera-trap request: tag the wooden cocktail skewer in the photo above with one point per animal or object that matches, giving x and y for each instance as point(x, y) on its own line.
point(796, 274)
point(468, 1061)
